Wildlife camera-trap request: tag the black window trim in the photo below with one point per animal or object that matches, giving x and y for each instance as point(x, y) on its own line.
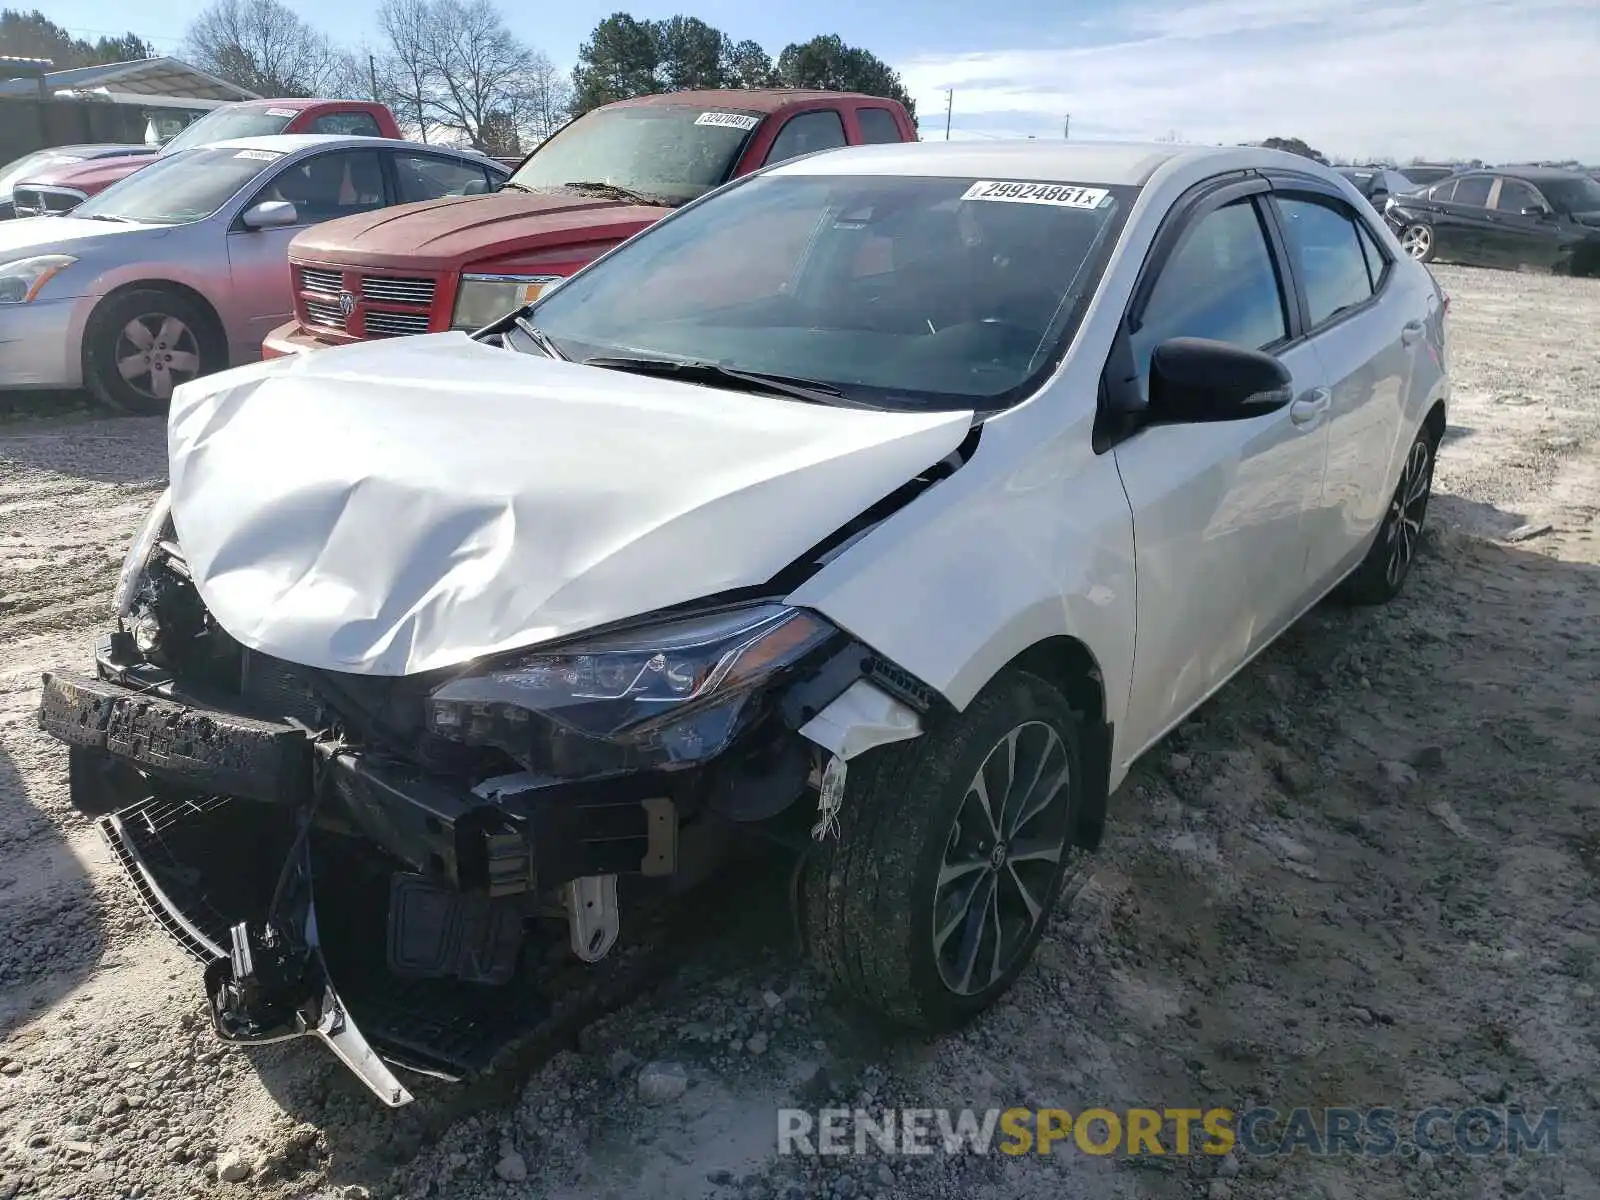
point(1119, 403)
point(1285, 183)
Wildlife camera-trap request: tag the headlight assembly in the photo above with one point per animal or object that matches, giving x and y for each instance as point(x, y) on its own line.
point(483, 299)
point(138, 558)
point(20, 281)
point(671, 693)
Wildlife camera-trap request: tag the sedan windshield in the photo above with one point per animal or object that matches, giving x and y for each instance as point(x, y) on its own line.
point(667, 153)
point(181, 188)
point(234, 121)
point(893, 291)
point(1575, 195)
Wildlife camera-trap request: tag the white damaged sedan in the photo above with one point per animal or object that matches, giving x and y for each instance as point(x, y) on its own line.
point(886, 504)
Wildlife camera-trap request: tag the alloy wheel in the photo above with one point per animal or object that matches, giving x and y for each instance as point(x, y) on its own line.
point(1417, 240)
point(1004, 848)
point(1407, 511)
point(155, 352)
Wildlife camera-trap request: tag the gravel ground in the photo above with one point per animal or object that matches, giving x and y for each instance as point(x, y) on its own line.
point(1364, 874)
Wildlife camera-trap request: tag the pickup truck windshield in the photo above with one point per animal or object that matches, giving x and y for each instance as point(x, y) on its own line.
point(669, 152)
point(225, 124)
point(898, 292)
point(180, 188)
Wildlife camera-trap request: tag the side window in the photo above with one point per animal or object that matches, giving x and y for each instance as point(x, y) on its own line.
point(1377, 259)
point(877, 126)
point(349, 124)
point(330, 185)
point(1515, 196)
point(1220, 283)
point(1322, 236)
point(430, 176)
point(1442, 191)
point(805, 133)
point(1473, 190)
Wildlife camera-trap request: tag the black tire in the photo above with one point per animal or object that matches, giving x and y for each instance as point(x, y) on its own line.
point(182, 343)
point(870, 894)
point(1383, 571)
point(1421, 235)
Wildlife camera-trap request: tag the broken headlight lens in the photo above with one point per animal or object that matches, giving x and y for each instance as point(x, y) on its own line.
point(672, 692)
point(138, 558)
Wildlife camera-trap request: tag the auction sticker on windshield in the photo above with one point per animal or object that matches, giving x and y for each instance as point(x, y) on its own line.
point(1067, 195)
point(259, 155)
point(728, 120)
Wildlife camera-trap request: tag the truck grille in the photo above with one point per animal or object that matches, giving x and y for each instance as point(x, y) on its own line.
point(36, 202)
point(326, 315)
point(395, 324)
point(321, 283)
point(398, 291)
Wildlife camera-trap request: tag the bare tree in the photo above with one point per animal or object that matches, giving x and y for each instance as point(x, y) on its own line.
point(407, 80)
point(263, 45)
point(546, 100)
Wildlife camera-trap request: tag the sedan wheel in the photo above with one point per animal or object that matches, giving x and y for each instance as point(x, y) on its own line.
point(953, 850)
point(1383, 572)
point(1417, 241)
point(142, 344)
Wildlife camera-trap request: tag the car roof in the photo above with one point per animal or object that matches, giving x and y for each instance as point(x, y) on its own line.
point(755, 99)
point(1535, 174)
point(1105, 163)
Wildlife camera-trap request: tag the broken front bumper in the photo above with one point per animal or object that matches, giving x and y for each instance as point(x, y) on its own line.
point(423, 890)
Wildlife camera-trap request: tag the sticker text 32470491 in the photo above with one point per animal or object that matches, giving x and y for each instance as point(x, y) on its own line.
point(1065, 195)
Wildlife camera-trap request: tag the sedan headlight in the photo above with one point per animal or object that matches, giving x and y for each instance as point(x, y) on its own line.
point(482, 299)
point(138, 558)
point(669, 693)
point(21, 280)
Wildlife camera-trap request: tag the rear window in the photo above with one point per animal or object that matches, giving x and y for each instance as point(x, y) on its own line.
point(903, 292)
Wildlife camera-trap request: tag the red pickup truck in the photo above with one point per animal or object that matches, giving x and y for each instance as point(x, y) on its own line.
point(461, 263)
point(60, 189)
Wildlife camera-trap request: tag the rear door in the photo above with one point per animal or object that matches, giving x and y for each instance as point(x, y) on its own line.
point(1219, 508)
point(1463, 228)
point(1365, 324)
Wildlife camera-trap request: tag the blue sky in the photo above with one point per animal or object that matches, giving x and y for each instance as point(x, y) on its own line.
point(1492, 79)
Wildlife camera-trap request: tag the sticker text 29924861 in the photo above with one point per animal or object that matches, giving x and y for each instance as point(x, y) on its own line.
point(1064, 195)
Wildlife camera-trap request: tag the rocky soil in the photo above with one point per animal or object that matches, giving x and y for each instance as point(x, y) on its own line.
point(1367, 873)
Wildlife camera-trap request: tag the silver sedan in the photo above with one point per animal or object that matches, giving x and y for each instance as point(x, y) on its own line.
point(180, 269)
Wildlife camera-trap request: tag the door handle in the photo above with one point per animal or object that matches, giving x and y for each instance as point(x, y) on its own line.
point(1309, 407)
point(1410, 332)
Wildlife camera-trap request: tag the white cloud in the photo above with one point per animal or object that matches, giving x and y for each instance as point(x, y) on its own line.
point(1499, 80)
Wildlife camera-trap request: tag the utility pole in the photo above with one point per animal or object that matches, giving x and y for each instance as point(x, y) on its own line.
point(1066, 128)
point(949, 108)
point(372, 73)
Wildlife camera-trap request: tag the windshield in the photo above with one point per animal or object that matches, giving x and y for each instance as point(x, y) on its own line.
point(179, 188)
point(15, 171)
point(1575, 195)
point(666, 152)
point(234, 121)
point(900, 292)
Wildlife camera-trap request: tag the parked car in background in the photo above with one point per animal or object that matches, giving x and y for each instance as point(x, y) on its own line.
point(887, 504)
point(1377, 184)
point(60, 189)
point(60, 156)
point(180, 269)
point(596, 181)
point(1423, 174)
point(1520, 216)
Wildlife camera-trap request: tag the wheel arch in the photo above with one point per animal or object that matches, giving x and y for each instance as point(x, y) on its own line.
point(213, 318)
point(1435, 420)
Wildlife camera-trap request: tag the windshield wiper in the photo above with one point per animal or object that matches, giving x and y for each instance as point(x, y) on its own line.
point(619, 193)
point(539, 338)
point(813, 391)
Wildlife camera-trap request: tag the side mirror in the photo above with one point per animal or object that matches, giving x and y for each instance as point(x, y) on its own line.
point(475, 187)
point(270, 214)
point(1536, 210)
point(1196, 379)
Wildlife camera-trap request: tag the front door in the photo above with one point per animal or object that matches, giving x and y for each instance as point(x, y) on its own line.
point(1519, 240)
point(1219, 509)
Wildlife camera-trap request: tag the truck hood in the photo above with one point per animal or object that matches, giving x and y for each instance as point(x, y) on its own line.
point(394, 507)
point(90, 177)
point(450, 233)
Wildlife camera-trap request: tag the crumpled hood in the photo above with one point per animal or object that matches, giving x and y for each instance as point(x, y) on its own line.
point(394, 507)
